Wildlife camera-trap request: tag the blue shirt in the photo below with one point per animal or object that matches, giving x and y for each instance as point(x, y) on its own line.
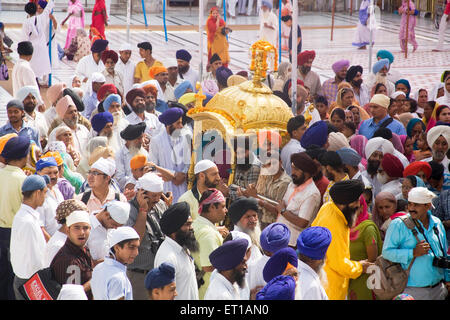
point(25, 131)
point(445, 185)
point(400, 242)
point(90, 103)
point(161, 105)
point(368, 127)
point(110, 282)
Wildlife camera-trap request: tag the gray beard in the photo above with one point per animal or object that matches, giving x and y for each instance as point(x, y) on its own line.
point(254, 235)
point(135, 151)
point(438, 156)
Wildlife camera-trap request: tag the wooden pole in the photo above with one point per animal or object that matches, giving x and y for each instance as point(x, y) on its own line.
point(332, 18)
point(351, 7)
point(407, 27)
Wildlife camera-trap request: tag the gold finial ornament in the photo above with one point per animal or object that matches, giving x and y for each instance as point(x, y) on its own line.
point(308, 112)
point(199, 96)
point(260, 51)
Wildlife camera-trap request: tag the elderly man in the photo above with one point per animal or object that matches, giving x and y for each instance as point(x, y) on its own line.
point(27, 240)
point(146, 210)
point(141, 73)
point(338, 217)
point(184, 68)
point(15, 154)
point(22, 74)
point(422, 251)
point(379, 105)
point(153, 105)
point(109, 59)
point(330, 86)
point(176, 224)
point(16, 123)
point(438, 139)
point(49, 167)
point(392, 75)
point(73, 263)
point(112, 215)
point(380, 75)
point(90, 99)
point(212, 211)
point(136, 100)
point(99, 180)
point(302, 198)
point(310, 78)
point(390, 174)
point(109, 279)
point(230, 260)
point(92, 62)
point(243, 213)
point(176, 156)
point(68, 113)
point(268, 23)
point(312, 246)
point(102, 125)
point(333, 169)
point(360, 90)
point(160, 282)
point(296, 127)
point(126, 67)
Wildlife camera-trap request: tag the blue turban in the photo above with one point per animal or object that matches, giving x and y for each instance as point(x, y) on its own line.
point(100, 120)
point(35, 182)
point(46, 162)
point(170, 116)
point(267, 3)
point(279, 288)
point(222, 75)
point(384, 54)
point(15, 104)
point(183, 55)
point(110, 99)
point(181, 89)
point(406, 83)
point(313, 242)
point(278, 262)
point(99, 45)
point(160, 277)
point(2, 25)
point(377, 66)
point(42, 3)
point(229, 255)
point(16, 148)
point(316, 134)
point(349, 156)
point(275, 237)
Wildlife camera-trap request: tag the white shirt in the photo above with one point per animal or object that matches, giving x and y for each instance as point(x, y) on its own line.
point(87, 66)
point(39, 122)
point(55, 243)
point(364, 95)
point(22, 75)
point(221, 289)
point(376, 185)
point(255, 254)
point(308, 285)
point(110, 282)
point(270, 35)
point(293, 146)
point(123, 169)
point(192, 76)
point(47, 212)
point(127, 70)
point(27, 247)
point(255, 272)
point(185, 278)
point(305, 204)
point(153, 126)
point(98, 239)
point(50, 115)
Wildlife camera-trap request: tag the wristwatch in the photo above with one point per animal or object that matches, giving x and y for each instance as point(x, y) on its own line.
point(283, 211)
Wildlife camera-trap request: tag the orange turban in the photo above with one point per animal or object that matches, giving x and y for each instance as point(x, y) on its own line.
point(415, 167)
point(156, 70)
point(149, 88)
point(56, 155)
point(138, 161)
point(4, 139)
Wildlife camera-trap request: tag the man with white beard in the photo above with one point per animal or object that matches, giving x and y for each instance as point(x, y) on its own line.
point(133, 135)
point(438, 139)
point(112, 104)
point(379, 74)
point(243, 213)
point(268, 23)
point(312, 246)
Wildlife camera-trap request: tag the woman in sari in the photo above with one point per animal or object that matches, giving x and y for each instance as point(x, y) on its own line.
point(440, 113)
point(407, 7)
point(217, 41)
point(76, 20)
point(99, 17)
point(365, 243)
point(414, 129)
point(384, 211)
point(358, 143)
point(346, 98)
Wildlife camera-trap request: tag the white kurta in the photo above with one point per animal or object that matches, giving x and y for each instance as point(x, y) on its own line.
point(123, 169)
point(153, 126)
point(86, 66)
point(270, 35)
point(192, 76)
point(293, 146)
point(309, 286)
point(39, 122)
point(221, 289)
point(255, 272)
point(22, 75)
point(34, 30)
point(55, 243)
point(98, 239)
point(127, 70)
point(47, 212)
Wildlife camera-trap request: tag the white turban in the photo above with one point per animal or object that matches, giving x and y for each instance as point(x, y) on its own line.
point(378, 144)
point(397, 93)
point(436, 132)
point(72, 292)
point(420, 195)
point(170, 62)
point(203, 165)
point(241, 235)
point(77, 217)
point(26, 90)
point(125, 47)
point(118, 210)
point(150, 182)
point(97, 77)
point(107, 166)
point(336, 141)
point(121, 234)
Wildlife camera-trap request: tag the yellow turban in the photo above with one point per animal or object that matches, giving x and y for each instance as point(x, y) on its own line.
point(187, 98)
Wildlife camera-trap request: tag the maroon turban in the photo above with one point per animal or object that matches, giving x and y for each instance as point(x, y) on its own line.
point(110, 54)
point(304, 56)
point(392, 166)
point(304, 162)
point(133, 93)
point(104, 89)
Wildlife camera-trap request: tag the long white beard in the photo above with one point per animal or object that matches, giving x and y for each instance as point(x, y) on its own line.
point(265, 15)
point(135, 151)
point(380, 79)
point(254, 235)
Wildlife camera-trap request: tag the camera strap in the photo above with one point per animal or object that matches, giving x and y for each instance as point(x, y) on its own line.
point(436, 232)
point(423, 233)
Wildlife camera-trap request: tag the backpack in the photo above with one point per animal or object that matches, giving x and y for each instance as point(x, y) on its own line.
point(393, 278)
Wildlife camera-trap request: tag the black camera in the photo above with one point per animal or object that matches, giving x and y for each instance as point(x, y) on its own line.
point(226, 30)
point(441, 262)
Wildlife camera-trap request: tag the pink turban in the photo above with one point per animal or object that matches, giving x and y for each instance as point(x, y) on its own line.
point(339, 65)
point(55, 91)
point(63, 104)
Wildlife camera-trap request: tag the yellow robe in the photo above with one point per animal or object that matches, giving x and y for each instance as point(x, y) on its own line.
point(338, 266)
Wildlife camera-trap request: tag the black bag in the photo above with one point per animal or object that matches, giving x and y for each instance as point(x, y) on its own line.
point(41, 286)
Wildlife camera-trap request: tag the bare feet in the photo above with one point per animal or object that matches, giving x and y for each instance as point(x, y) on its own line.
point(362, 48)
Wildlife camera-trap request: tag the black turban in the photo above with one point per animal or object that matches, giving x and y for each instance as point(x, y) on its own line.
point(30, 8)
point(331, 158)
point(240, 206)
point(315, 152)
point(25, 48)
point(175, 217)
point(385, 133)
point(352, 71)
point(304, 162)
point(133, 131)
point(215, 57)
point(75, 97)
point(347, 191)
point(99, 45)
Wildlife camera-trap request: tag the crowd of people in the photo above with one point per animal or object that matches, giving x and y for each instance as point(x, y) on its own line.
point(96, 184)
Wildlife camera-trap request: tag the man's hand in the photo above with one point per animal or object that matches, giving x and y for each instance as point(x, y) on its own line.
point(222, 187)
point(251, 191)
point(365, 264)
point(223, 231)
point(281, 205)
point(254, 291)
point(168, 200)
point(142, 200)
point(129, 192)
point(180, 177)
point(421, 249)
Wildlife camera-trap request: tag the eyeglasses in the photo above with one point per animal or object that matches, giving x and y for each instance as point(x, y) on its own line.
point(96, 173)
